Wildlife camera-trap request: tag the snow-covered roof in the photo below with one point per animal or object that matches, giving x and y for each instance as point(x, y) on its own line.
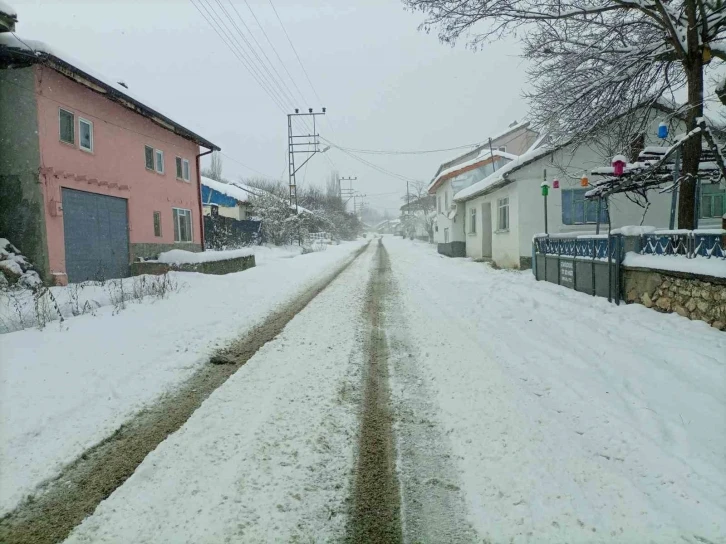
point(7, 9)
point(31, 51)
point(483, 156)
point(239, 191)
point(501, 173)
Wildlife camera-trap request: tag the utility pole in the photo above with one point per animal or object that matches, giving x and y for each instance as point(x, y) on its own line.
point(295, 141)
point(347, 192)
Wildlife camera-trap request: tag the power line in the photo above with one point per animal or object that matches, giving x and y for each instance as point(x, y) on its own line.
point(222, 19)
point(274, 50)
point(380, 169)
point(279, 85)
point(295, 51)
point(228, 42)
point(397, 152)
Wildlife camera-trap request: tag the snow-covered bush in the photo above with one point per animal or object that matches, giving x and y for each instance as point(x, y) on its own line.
point(15, 269)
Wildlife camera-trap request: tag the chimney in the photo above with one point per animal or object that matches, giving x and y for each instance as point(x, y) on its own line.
point(513, 123)
point(123, 84)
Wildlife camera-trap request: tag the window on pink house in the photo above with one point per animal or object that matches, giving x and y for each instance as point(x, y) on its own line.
point(66, 127)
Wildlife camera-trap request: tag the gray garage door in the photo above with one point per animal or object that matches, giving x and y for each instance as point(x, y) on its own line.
point(96, 229)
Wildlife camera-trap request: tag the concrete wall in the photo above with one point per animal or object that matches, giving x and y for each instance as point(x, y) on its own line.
point(116, 167)
point(517, 142)
point(218, 268)
point(455, 225)
point(505, 243)
point(22, 210)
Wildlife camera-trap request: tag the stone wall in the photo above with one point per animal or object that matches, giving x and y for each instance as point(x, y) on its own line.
point(689, 295)
point(226, 266)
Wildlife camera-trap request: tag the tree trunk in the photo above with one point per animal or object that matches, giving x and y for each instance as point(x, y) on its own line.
point(692, 147)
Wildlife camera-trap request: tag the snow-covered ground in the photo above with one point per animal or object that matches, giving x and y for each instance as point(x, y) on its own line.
point(570, 419)
point(65, 388)
point(18, 309)
point(268, 456)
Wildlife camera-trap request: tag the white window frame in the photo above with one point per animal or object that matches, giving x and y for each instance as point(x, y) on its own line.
point(446, 200)
point(446, 235)
point(472, 220)
point(186, 170)
point(80, 144)
point(438, 203)
point(177, 229)
point(158, 152)
point(73, 126)
point(502, 203)
point(153, 158)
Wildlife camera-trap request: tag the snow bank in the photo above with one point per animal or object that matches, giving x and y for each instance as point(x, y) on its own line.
point(700, 265)
point(180, 256)
point(570, 419)
point(62, 390)
point(634, 230)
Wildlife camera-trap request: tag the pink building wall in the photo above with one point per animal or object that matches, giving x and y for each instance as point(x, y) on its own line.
point(116, 167)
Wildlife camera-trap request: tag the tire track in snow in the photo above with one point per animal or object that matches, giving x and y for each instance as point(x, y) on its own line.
point(376, 509)
point(77, 491)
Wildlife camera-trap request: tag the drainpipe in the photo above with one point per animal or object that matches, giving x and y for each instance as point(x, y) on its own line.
point(199, 189)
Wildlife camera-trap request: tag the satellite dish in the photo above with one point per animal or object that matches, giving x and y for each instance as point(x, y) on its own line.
point(452, 211)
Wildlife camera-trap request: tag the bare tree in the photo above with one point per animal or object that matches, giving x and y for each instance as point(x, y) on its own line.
point(418, 210)
point(214, 171)
point(593, 61)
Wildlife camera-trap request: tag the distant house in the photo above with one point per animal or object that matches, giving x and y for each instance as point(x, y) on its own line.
point(227, 199)
point(498, 216)
point(418, 216)
point(389, 226)
point(466, 169)
point(91, 177)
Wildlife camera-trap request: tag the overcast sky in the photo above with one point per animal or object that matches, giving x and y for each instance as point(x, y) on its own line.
point(385, 84)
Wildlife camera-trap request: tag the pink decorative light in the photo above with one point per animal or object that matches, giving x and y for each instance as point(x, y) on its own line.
point(618, 165)
point(556, 184)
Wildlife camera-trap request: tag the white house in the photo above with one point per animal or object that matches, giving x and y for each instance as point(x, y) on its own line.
point(506, 209)
point(467, 169)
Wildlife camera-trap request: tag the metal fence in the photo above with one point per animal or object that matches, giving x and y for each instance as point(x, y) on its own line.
point(589, 264)
point(688, 244)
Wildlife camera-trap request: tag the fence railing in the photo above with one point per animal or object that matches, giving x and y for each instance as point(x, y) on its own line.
point(688, 244)
point(589, 264)
point(583, 247)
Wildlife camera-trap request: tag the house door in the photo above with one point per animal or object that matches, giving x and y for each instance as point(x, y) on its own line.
point(486, 229)
point(96, 230)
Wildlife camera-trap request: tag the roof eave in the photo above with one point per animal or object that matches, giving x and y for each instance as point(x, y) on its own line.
point(125, 100)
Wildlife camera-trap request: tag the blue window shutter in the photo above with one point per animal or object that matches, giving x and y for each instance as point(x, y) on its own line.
point(566, 207)
point(579, 207)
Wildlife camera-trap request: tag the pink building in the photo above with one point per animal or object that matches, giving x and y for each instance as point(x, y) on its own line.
point(91, 178)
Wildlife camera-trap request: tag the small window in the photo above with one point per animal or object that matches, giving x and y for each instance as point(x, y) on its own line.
point(503, 215)
point(66, 127)
point(438, 204)
point(503, 148)
point(446, 200)
point(185, 170)
point(446, 236)
point(472, 221)
point(85, 134)
point(159, 161)
point(149, 156)
point(178, 168)
point(182, 225)
point(157, 224)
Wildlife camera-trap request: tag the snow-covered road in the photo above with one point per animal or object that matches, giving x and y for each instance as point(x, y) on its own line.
point(66, 388)
point(521, 412)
